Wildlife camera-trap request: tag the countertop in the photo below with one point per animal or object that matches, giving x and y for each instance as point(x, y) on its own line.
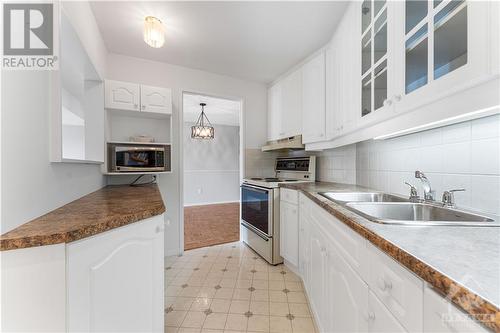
point(108, 208)
point(462, 263)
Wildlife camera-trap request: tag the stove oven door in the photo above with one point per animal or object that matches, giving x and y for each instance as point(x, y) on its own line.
point(257, 209)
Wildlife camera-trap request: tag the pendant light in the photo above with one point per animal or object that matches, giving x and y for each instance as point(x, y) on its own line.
point(203, 129)
point(154, 32)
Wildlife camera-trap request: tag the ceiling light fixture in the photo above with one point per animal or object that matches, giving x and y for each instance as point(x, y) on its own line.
point(203, 129)
point(154, 32)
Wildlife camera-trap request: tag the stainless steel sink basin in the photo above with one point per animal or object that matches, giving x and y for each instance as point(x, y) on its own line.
point(343, 197)
point(409, 213)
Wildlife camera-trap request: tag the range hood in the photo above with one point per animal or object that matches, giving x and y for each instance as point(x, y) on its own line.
point(290, 143)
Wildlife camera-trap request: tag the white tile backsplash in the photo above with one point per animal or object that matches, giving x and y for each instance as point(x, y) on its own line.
point(484, 159)
point(483, 128)
point(337, 165)
point(259, 163)
point(464, 155)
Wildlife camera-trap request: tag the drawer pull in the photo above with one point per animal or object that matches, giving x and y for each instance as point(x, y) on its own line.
point(445, 319)
point(370, 316)
point(384, 285)
point(159, 229)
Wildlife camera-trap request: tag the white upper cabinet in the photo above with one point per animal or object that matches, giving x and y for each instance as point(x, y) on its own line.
point(285, 107)
point(122, 95)
point(395, 65)
point(291, 105)
point(313, 100)
point(155, 99)
point(274, 112)
point(377, 60)
point(441, 47)
point(135, 97)
point(343, 69)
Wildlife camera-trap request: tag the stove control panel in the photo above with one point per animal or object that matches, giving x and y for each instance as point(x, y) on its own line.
point(293, 164)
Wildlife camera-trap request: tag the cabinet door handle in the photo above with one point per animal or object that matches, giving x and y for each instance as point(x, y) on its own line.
point(144, 107)
point(397, 98)
point(387, 102)
point(370, 316)
point(159, 229)
point(384, 285)
point(136, 106)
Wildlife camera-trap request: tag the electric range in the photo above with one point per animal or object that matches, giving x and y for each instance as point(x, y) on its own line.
point(260, 204)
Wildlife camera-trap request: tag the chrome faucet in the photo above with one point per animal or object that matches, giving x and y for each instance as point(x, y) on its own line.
point(428, 192)
point(413, 193)
point(449, 197)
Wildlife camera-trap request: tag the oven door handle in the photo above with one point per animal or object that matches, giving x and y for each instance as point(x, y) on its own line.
point(255, 188)
point(256, 231)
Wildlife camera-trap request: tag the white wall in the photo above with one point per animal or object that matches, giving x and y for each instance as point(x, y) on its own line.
point(31, 185)
point(82, 18)
point(464, 155)
point(211, 167)
point(179, 78)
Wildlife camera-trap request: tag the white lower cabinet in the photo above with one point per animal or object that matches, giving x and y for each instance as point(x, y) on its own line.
point(318, 279)
point(347, 295)
point(33, 289)
point(289, 232)
point(441, 315)
point(380, 319)
point(399, 289)
point(304, 239)
point(115, 280)
point(354, 287)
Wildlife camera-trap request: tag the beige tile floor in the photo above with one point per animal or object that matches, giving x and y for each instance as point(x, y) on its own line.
point(228, 288)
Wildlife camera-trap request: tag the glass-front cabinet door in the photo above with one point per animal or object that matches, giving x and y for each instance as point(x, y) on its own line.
point(441, 44)
point(376, 59)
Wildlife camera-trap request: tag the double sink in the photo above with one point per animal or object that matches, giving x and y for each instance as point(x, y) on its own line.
point(391, 209)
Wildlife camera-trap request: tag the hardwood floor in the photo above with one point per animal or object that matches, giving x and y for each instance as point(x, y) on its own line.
point(208, 225)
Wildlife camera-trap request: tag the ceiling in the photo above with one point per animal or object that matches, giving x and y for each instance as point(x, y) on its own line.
point(219, 111)
point(256, 41)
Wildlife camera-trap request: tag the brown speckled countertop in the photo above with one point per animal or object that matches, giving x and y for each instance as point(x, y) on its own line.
point(108, 208)
point(470, 279)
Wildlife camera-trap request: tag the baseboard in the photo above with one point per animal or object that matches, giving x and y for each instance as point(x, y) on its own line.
point(212, 203)
point(292, 267)
point(311, 307)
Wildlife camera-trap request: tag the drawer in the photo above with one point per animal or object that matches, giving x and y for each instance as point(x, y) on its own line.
point(351, 246)
point(399, 289)
point(380, 319)
point(290, 196)
point(440, 315)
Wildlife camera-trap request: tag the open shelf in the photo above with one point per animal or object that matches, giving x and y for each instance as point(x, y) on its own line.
point(140, 143)
point(134, 173)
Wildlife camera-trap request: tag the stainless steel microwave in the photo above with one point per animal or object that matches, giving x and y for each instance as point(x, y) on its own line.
point(131, 157)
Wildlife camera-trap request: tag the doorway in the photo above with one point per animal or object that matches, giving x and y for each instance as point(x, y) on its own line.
point(211, 171)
